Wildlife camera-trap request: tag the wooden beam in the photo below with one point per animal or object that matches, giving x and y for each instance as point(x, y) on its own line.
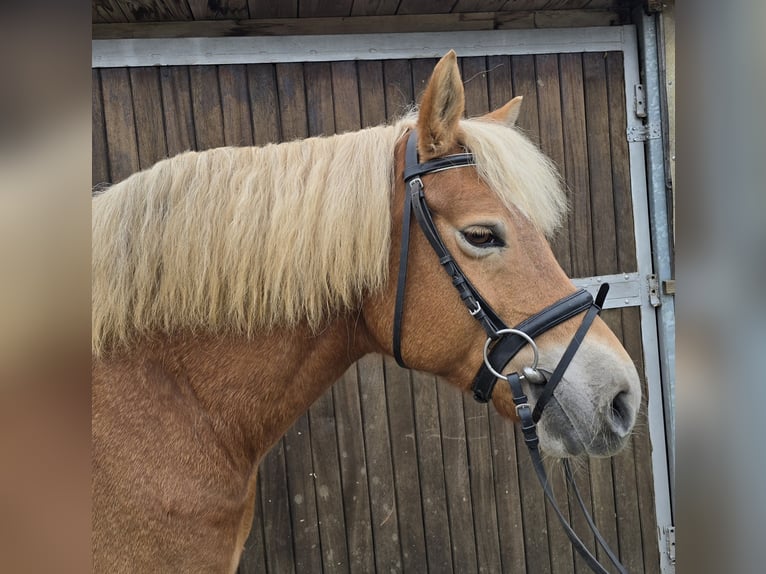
point(356, 24)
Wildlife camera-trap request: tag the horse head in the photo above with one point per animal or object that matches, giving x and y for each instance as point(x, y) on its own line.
point(495, 218)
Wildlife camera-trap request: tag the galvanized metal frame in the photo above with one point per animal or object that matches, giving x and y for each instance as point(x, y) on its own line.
point(633, 288)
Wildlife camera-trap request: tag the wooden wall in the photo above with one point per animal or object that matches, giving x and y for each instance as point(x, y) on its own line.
point(393, 470)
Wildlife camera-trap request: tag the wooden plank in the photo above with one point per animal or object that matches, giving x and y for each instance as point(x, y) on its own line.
point(474, 73)
point(324, 8)
point(292, 101)
point(621, 185)
point(145, 87)
point(301, 497)
point(100, 161)
point(206, 107)
point(235, 105)
point(604, 255)
point(581, 240)
point(455, 454)
point(107, 11)
point(372, 101)
point(525, 80)
point(380, 472)
point(177, 107)
point(401, 423)
point(119, 123)
point(576, 161)
point(575, 18)
point(438, 535)
point(399, 95)
point(642, 450)
point(281, 9)
point(478, 5)
point(363, 24)
point(432, 475)
point(398, 88)
point(552, 139)
point(253, 559)
point(533, 511)
point(319, 104)
point(277, 527)
point(424, 7)
point(324, 450)
point(264, 103)
point(353, 468)
point(345, 96)
point(502, 431)
point(324, 446)
point(374, 7)
point(218, 9)
point(155, 10)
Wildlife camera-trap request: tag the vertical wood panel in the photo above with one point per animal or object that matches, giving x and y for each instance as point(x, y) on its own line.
point(145, 88)
point(501, 89)
point(455, 452)
point(605, 258)
point(100, 162)
point(235, 105)
point(275, 506)
point(581, 241)
point(253, 560)
point(299, 459)
point(432, 475)
point(356, 495)
point(477, 415)
point(177, 106)
point(552, 140)
point(206, 107)
point(282, 9)
point(380, 476)
point(264, 103)
point(120, 124)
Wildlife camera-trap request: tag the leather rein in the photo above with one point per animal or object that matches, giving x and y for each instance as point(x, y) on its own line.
point(505, 342)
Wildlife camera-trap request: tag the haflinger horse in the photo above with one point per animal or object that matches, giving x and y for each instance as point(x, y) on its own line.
point(232, 287)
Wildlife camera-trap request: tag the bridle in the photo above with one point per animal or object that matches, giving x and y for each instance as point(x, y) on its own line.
point(503, 343)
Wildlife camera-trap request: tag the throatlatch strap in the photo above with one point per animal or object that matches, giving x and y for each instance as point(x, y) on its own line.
point(401, 283)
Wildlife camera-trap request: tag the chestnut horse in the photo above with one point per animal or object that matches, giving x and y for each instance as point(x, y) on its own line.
point(232, 287)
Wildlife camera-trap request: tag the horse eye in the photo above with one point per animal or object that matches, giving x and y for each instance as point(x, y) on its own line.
point(482, 237)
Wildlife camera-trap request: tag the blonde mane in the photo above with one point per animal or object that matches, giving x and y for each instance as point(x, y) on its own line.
point(239, 240)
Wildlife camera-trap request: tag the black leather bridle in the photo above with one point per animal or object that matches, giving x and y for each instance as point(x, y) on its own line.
point(506, 342)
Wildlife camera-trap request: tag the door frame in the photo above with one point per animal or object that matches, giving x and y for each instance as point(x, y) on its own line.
point(629, 289)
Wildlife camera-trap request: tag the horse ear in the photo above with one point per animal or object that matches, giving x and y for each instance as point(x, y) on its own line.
point(508, 114)
point(441, 108)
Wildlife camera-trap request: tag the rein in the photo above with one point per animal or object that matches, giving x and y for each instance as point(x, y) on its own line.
point(506, 342)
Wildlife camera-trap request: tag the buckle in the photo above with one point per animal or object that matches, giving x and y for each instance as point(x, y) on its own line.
point(522, 406)
point(476, 311)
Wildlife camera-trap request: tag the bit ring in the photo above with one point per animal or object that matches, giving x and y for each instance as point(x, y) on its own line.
point(521, 334)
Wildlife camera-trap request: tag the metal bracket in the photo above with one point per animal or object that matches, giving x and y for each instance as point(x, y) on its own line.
point(643, 133)
point(639, 101)
point(654, 290)
point(669, 534)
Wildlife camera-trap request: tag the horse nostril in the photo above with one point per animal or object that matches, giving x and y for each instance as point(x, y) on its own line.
point(620, 414)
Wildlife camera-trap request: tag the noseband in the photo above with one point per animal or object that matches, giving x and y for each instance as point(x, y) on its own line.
point(505, 342)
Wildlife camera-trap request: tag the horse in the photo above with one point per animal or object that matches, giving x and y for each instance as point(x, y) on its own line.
point(232, 287)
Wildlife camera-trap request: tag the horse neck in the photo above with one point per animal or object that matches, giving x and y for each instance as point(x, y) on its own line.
point(254, 390)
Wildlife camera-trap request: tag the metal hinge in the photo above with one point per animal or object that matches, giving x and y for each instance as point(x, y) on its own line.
point(654, 290)
point(669, 534)
point(644, 132)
